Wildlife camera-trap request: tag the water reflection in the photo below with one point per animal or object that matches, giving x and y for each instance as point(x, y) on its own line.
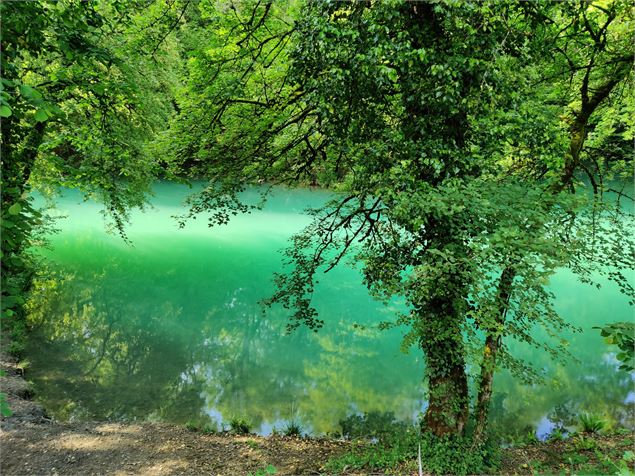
point(172, 330)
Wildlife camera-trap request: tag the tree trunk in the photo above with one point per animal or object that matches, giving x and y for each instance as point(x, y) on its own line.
point(577, 137)
point(490, 351)
point(442, 344)
point(447, 412)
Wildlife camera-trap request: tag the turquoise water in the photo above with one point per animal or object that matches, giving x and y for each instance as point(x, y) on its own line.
point(170, 328)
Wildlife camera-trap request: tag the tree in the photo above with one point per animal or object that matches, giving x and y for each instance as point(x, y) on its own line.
point(452, 152)
point(78, 109)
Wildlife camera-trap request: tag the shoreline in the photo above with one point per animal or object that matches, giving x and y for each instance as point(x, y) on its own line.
point(31, 443)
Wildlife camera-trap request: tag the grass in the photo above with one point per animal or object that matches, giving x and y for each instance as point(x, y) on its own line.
point(397, 452)
point(240, 426)
point(253, 444)
point(200, 427)
point(591, 423)
point(267, 471)
point(582, 454)
point(293, 429)
point(393, 450)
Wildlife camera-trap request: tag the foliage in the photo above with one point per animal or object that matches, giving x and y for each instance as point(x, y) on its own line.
point(621, 334)
point(240, 426)
point(443, 455)
point(591, 423)
point(453, 134)
point(583, 444)
point(267, 471)
point(5, 410)
point(558, 434)
point(398, 451)
point(78, 109)
point(589, 454)
point(293, 429)
point(191, 425)
point(197, 426)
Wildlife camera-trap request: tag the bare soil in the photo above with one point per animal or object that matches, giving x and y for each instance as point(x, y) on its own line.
point(153, 449)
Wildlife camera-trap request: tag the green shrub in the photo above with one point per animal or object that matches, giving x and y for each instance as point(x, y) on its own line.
point(456, 455)
point(531, 438)
point(557, 435)
point(293, 429)
point(591, 423)
point(240, 426)
point(208, 429)
point(399, 451)
point(197, 425)
point(5, 410)
point(192, 425)
point(253, 444)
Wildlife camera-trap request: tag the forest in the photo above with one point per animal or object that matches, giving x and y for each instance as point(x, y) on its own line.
point(400, 232)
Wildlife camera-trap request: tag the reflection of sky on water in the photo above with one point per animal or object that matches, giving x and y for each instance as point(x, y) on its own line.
point(544, 428)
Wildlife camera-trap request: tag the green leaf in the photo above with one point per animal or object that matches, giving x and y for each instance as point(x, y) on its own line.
point(41, 115)
point(15, 209)
point(29, 93)
point(99, 89)
point(5, 111)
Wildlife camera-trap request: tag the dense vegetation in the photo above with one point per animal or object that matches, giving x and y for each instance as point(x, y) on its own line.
point(474, 148)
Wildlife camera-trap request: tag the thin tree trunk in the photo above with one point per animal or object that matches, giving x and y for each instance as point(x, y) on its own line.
point(490, 352)
point(577, 137)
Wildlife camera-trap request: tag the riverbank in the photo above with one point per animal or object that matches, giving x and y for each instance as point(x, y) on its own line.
point(154, 449)
point(30, 448)
point(33, 444)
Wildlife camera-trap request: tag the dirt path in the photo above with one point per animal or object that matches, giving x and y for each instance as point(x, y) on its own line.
point(153, 449)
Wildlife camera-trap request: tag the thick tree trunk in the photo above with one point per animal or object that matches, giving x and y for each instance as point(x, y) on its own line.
point(442, 344)
point(447, 412)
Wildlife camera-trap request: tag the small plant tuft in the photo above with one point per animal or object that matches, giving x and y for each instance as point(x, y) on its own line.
point(208, 429)
point(531, 438)
point(5, 410)
point(591, 423)
point(268, 471)
point(584, 444)
point(253, 444)
point(192, 425)
point(240, 426)
point(557, 435)
point(293, 429)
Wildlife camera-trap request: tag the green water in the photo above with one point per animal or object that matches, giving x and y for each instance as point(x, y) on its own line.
point(171, 329)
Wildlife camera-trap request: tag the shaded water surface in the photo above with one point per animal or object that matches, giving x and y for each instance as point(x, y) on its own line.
point(171, 329)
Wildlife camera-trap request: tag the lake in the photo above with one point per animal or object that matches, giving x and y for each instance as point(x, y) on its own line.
point(169, 328)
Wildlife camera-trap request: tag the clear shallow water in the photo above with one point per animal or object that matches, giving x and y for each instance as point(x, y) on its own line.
point(171, 329)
